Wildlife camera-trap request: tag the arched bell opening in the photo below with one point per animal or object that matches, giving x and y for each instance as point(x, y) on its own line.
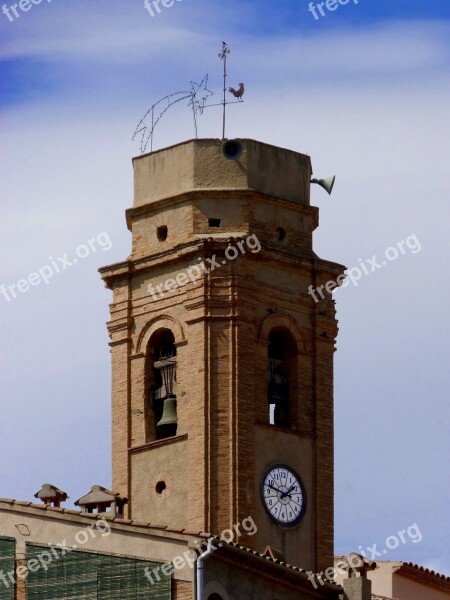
point(161, 370)
point(282, 377)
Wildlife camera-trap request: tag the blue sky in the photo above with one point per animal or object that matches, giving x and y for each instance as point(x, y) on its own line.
point(364, 91)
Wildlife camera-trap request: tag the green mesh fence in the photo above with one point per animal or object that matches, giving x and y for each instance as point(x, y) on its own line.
point(7, 568)
point(57, 575)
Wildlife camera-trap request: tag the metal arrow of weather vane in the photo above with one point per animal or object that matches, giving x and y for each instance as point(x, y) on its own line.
point(197, 96)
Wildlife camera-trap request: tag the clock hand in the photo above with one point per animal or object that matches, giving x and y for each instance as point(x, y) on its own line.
point(284, 494)
point(274, 488)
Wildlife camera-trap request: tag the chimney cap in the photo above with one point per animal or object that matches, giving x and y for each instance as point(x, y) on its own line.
point(51, 492)
point(359, 565)
point(100, 495)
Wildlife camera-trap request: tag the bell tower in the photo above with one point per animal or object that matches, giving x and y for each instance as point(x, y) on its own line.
point(222, 361)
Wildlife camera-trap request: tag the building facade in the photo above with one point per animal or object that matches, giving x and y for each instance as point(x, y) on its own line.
point(398, 580)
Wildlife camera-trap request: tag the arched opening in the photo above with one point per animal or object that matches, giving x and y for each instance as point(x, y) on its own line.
point(282, 361)
point(161, 370)
point(215, 597)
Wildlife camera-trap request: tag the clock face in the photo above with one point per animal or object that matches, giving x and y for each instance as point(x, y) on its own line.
point(283, 495)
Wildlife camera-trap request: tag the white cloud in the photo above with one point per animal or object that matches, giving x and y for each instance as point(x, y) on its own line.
point(392, 47)
point(67, 176)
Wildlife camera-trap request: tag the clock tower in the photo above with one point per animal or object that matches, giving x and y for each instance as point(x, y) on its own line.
point(222, 359)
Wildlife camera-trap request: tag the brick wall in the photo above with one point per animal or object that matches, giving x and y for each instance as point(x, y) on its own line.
point(221, 325)
point(181, 590)
point(20, 582)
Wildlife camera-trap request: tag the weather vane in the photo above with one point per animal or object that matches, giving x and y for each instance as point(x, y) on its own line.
point(236, 93)
point(196, 96)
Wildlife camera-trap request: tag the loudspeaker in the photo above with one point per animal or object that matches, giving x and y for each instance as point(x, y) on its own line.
point(232, 149)
point(327, 184)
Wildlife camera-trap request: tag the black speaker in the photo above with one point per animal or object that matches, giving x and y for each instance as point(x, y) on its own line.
point(232, 149)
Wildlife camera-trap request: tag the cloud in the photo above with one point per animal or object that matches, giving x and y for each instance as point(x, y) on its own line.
point(369, 104)
point(370, 49)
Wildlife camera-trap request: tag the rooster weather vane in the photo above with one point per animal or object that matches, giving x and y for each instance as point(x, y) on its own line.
point(197, 96)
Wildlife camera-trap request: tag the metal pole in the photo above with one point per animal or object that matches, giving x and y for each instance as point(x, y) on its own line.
point(194, 109)
point(151, 137)
point(224, 93)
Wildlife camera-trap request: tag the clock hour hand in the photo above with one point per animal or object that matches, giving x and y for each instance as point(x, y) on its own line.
point(284, 494)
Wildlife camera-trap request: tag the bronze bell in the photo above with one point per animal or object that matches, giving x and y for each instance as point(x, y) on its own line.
point(167, 425)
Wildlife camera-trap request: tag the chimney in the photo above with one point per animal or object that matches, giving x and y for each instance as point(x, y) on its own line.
point(357, 586)
point(102, 501)
point(51, 495)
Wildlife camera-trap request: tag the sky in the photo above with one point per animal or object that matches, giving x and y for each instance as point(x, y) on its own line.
point(364, 90)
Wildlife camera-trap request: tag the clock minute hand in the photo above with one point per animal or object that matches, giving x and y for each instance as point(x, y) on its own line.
point(274, 488)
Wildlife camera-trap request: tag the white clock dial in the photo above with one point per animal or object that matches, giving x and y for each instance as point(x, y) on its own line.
point(283, 495)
